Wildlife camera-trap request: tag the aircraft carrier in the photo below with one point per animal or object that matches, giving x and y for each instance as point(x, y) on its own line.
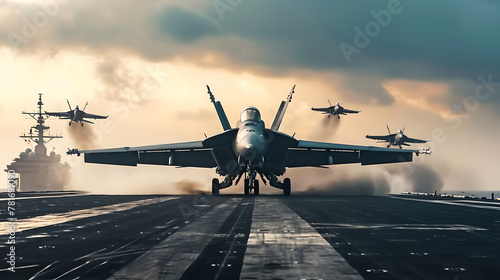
point(36, 170)
point(73, 235)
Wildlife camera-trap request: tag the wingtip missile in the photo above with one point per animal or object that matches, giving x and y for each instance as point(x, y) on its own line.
point(73, 152)
point(425, 151)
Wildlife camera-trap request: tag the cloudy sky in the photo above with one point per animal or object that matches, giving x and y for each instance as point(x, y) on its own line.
point(429, 66)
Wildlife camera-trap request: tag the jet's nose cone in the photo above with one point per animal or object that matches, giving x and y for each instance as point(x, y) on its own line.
point(247, 150)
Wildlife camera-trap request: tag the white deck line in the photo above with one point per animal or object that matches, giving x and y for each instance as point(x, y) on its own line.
point(284, 246)
point(450, 202)
point(170, 258)
point(58, 218)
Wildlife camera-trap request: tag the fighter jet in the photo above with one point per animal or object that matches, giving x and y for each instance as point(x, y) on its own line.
point(396, 139)
point(335, 110)
point(76, 115)
point(247, 151)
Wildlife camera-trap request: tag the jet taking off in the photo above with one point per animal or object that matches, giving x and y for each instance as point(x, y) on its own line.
point(76, 115)
point(335, 110)
point(396, 139)
point(248, 150)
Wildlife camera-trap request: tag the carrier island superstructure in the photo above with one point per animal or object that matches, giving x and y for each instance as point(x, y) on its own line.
point(37, 170)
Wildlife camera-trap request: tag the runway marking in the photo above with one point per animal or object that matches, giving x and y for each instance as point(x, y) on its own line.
point(282, 245)
point(396, 226)
point(450, 203)
point(170, 258)
point(491, 203)
point(21, 267)
point(53, 219)
point(44, 196)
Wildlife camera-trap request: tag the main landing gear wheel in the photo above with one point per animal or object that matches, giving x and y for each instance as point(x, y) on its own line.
point(247, 186)
point(215, 186)
point(256, 187)
point(82, 124)
point(69, 123)
point(287, 186)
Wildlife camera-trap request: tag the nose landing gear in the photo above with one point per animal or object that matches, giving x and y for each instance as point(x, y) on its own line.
point(249, 187)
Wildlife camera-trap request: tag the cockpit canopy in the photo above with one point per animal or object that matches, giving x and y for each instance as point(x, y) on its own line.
point(250, 114)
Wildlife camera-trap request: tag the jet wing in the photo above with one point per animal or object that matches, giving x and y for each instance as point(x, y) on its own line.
point(413, 140)
point(308, 153)
point(211, 152)
point(347, 111)
point(92, 116)
point(386, 138)
point(286, 151)
point(58, 114)
point(320, 109)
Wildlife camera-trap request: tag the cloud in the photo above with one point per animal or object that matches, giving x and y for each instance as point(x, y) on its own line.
point(427, 96)
point(185, 26)
point(413, 72)
point(277, 37)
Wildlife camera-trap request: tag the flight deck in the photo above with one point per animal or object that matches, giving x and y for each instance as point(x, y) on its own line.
point(76, 235)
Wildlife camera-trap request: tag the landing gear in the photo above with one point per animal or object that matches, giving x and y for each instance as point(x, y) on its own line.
point(247, 186)
point(69, 123)
point(215, 186)
point(286, 186)
point(256, 187)
point(82, 124)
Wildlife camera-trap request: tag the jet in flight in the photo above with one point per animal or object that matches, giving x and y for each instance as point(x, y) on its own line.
point(336, 109)
point(76, 115)
point(247, 151)
point(396, 139)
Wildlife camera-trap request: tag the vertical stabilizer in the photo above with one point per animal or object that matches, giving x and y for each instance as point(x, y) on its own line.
point(281, 111)
point(220, 111)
